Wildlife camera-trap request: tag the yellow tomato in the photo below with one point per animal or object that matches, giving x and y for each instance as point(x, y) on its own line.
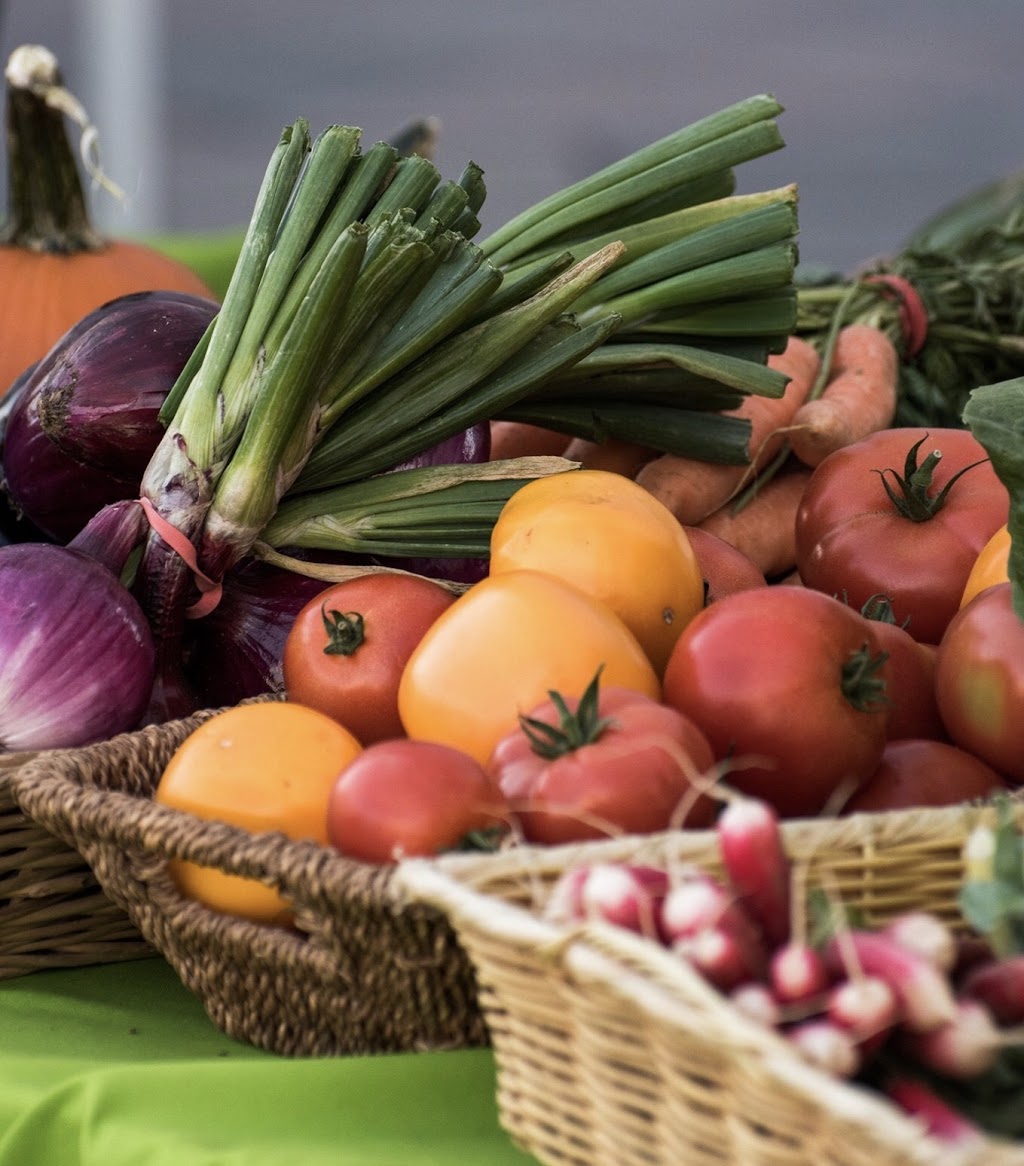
point(610, 538)
point(990, 567)
point(263, 767)
point(499, 649)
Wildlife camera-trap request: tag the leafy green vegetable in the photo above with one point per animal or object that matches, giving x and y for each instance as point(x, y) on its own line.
point(995, 415)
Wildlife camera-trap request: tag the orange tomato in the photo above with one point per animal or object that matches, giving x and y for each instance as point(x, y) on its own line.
point(990, 567)
point(612, 539)
point(501, 647)
point(263, 767)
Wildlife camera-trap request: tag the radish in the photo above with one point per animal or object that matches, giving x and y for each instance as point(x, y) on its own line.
point(826, 1045)
point(701, 903)
point(924, 994)
point(719, 956)
point(939, 1118)
point(865, 1006)
point(626, 895)
point(750, 843)
point(758, 1002)
point(965, 1047)
point(797, 973)
point(999, 984)
point(925, 934)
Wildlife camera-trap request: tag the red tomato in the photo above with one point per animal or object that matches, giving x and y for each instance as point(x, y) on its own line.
point(875, 517)
point(979, 681)
point(724, 567)
point(407, 798)
point(349, 645)
point(791, 679)
point(910, 677)
point(614, 761)
point(924, 773)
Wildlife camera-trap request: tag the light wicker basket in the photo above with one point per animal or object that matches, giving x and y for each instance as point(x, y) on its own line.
point(53, 912)
point(613, 1052)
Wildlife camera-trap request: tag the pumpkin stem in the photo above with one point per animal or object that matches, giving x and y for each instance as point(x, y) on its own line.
point(47, 208)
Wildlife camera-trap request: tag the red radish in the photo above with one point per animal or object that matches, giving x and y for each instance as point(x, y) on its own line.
point(758, 1002)
point(924, 994)
point(999, 985)
point(866, 1007)
point(925, 934)
point(939, 1118)
point(701, 903)
point(719, 956)
point(965, 1047)
point(826, 1045)
point(750, 843)
point(797, 973)
point(626, 895)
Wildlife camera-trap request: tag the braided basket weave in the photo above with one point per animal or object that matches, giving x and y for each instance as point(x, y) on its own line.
point(613, 1052)
point(358, 974)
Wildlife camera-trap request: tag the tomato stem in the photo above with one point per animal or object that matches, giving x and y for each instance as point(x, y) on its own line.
point(574, 729)
point(862, 686)
point(909, 494)
point(345, 631)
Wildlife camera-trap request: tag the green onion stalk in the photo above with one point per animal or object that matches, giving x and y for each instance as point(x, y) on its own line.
point(955, 310)
point(362, 325)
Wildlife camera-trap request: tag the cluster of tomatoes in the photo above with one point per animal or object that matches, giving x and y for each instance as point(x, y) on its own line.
point(610, 670)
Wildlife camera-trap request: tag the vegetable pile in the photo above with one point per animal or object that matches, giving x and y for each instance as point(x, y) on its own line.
point(334, 414)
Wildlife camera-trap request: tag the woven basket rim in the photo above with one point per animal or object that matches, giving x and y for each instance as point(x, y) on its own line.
point(644, 975)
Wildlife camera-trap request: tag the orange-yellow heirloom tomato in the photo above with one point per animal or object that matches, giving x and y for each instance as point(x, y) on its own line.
point(501, 647)
point(263, 767)
point(609, 537)
point(990, 567)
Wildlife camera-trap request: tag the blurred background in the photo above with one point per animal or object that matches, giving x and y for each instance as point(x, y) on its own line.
point(892, 110)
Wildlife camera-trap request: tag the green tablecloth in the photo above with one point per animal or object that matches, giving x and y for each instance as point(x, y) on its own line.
point(119, 1066)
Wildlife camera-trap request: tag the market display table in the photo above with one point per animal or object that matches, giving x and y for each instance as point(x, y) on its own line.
point(119, 1065)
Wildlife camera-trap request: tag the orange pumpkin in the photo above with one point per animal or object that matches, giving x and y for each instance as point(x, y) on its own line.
point(54, 267)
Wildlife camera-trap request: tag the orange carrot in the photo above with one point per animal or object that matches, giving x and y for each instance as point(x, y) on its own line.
point(764, 530)
point(693, 489)
point(518, 439)
point(860, 397)
point(613, 454)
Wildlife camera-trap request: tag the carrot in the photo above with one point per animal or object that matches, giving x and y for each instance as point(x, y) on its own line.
point(518, 439)
point(764, 530)
point(693, 489)
point(614, 454)
point(860, 397)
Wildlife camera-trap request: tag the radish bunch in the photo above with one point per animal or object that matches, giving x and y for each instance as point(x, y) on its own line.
point(910, 995)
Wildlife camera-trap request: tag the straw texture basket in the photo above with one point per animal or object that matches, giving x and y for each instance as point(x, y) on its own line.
point(358, 974)
point(612, 1052)
point(53, 913)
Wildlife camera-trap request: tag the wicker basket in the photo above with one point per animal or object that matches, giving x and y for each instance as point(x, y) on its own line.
point(53, 913)
point(358, 974)
point(612, 1052)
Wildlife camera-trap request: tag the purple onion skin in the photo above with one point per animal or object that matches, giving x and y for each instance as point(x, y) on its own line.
point(471, 447)
point(76, 652)
point(236, 650)
point(85, 426)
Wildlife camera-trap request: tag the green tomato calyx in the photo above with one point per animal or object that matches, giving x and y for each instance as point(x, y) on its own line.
point(909, 492)
point(345, 631)
point(861, 683)
point(574, 729)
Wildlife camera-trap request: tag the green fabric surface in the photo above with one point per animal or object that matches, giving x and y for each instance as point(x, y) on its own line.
point(119, 1066)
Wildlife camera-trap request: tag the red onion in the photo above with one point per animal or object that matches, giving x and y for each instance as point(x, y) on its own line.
point(82, 430)
point(76, 653)
point(235, 651)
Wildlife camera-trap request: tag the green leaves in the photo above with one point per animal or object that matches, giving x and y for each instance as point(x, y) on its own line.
point(992, 895)
point(995, 415)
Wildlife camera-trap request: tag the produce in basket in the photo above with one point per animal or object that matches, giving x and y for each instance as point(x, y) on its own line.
point(56, 268)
